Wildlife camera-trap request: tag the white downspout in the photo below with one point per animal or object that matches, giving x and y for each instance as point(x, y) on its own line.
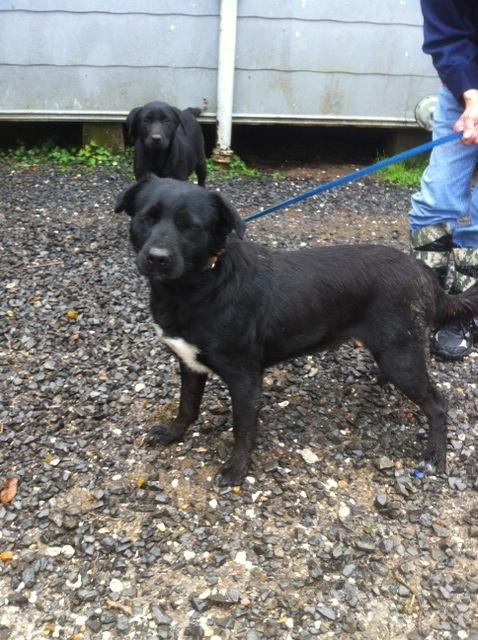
point(225, 80)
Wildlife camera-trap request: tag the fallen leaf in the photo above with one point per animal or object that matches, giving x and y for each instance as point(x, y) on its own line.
point(49, 628)
point(5, 556)
point(140, 481)
point(111, 604)
point(71, 314)
point(9, 490)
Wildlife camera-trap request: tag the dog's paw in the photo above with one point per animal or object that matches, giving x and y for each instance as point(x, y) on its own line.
point(163, 435)
point(230, 475)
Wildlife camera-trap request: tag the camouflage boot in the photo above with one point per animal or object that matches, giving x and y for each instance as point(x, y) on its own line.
point(432, 245)
point(466, 269)
point(455, 340)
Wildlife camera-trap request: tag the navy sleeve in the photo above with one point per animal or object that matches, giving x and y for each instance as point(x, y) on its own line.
point(450, 37)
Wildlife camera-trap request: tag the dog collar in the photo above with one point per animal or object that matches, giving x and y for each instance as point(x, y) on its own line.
point(211, 263)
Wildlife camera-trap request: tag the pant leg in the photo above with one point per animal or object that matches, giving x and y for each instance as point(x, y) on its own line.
point(445, 192)
point(466, 236)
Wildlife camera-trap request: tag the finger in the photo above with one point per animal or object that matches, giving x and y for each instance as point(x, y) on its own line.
point(469, 130)
point(470, 136)
point(471, 140)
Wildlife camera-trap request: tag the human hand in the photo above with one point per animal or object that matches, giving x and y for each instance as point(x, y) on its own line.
point(468, 121)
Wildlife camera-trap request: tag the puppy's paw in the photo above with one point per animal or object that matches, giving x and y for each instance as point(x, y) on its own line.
point(231, 474)
point(162, 435)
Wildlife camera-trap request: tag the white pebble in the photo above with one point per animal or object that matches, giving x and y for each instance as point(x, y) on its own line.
point(68, 551)
point(309, 456)
point(116, 586)
point(330, 484)
point(344, 511)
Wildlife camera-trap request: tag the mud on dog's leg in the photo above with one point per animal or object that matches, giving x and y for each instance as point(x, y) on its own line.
point(192, 389)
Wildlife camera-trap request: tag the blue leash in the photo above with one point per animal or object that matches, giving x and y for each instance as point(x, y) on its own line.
point(354, 176)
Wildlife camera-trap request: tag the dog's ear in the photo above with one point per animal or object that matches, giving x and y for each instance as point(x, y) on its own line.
point(126, 200)
point(180, 117)
point(130, 125)
point(229, 217)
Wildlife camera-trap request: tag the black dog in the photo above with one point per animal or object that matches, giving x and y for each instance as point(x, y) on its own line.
point(233, 307)
point(168, 142)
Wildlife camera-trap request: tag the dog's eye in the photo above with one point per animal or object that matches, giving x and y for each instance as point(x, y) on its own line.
point(184, 224)
point(152, 215)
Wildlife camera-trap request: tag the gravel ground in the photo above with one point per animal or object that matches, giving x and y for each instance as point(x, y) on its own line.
point(331, 535)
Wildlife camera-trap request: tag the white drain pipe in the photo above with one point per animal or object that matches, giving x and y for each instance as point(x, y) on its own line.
point(225, 79)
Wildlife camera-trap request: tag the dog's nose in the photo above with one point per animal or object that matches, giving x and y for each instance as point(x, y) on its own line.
point(156, 137)
point(159, 257)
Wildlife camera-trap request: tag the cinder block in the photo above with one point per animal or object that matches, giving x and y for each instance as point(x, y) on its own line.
point(404, 139)
point(106, 134)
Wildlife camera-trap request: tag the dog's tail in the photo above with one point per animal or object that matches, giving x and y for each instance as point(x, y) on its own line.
point(459, 307)
point(196, 112)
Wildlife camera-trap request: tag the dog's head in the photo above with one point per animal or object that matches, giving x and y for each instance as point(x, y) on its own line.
point(176, 227)
point(154, 123)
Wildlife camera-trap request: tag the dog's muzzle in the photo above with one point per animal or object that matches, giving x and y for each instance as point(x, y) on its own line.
point(157, 141)
point(159, 262)
point(159, 259)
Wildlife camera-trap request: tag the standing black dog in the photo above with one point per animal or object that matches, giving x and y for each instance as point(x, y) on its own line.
point(233, 307)
point(168, 142)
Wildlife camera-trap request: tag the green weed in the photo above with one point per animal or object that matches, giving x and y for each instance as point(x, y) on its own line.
point(90, 155)
point(237, 168)
point(407, 173)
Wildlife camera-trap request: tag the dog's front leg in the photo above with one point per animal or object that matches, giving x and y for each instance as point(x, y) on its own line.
point(245, 390)
point(192, 388)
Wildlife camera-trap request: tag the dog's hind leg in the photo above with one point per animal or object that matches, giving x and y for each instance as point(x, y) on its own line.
point(404, 365)
point(192, 389)
point(245, 389)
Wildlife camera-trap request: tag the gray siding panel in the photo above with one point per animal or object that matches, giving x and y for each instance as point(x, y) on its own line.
point(330, 47)
point(108, 40)
point(104, 89)
point(326, 97)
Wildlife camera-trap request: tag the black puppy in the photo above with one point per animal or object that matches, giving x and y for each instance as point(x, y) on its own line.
point(168, 142)
point(233, 307)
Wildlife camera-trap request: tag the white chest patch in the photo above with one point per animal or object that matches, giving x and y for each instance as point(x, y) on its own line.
point(187, 352)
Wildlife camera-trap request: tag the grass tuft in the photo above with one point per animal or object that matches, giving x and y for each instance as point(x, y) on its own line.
point(407, 173)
